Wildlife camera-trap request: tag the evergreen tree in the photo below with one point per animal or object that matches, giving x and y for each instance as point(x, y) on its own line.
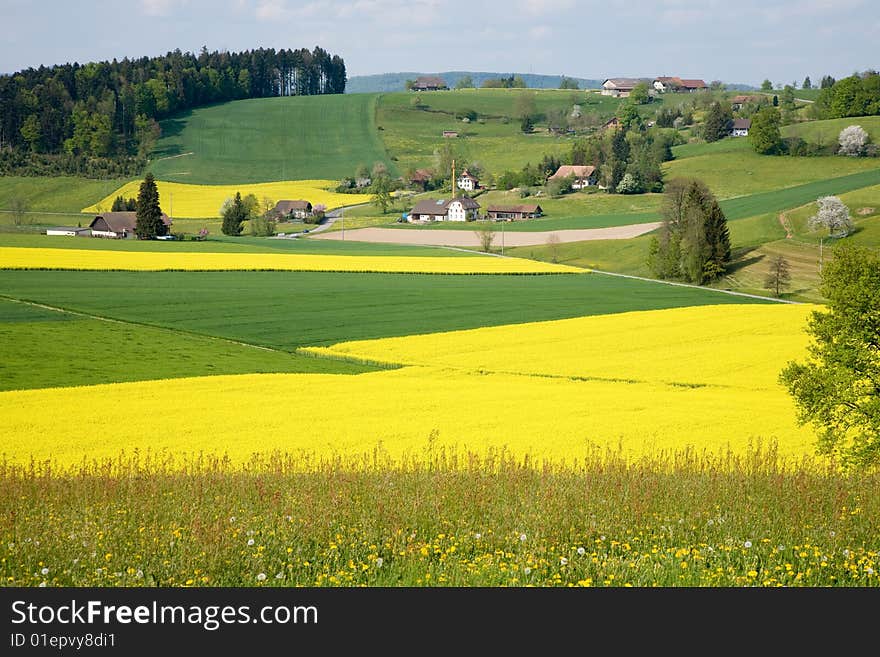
point(717, 125)
point(234, 216)
point(149, 222)
point(619, 158)
point(807, 85)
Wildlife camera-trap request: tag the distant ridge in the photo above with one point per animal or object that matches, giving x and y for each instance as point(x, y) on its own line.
point(397, 81)
point(384, 82)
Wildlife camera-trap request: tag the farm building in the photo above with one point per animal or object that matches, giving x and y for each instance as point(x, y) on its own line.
point(450, 133)
point(69, 231)
point(421, 178)
point(737, 102)
point(678, 85)
point(429, 83)
point(741, 128)
point(584, 176)
point(458, 209)
point(119, 225)
point(621, 87)
point(514, 212)
point(613, 122)
point(297, 209)
point(468, 181)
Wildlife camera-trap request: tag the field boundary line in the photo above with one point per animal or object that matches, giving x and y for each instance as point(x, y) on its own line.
point(113, 320)
point(697, 287)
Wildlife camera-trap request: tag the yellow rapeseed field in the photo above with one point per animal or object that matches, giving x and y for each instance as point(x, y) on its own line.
point(743, 346)
point(184, 201)
point(100, 260)
point(559, 391)
point(404, 412)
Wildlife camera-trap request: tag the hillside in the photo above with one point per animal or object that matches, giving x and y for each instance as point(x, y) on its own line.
point(270, 139)
point(383, 82)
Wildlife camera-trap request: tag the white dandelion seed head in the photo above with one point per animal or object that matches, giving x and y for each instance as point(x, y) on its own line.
point(250, 541)
point(581, 551)
point(710, 522)
point(261, 577)
point(527, 570)
point(602, 537)
point(747, 544)
point(832, 533)
point(42, 585)
point(289, 518)
point(44, 571)
point(232, 519)
point(279, 575)
point(846, 553)
point(780, 548)
point(563, 561)
point(478, 536)
point(139, 574)
point(522, 537)
point(379, 562)
point(869, 570)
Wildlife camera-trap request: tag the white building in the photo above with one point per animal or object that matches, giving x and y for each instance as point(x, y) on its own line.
point(467, 181)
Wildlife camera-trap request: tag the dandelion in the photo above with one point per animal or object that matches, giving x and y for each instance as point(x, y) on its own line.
point(44, 571)
point(250, 542)
point(527, 570)
point(232, 519)
point(747, 545)
point(563, 561)
point(780, 548)
point(42, 585)
point(139, 574)
point(522, 538)
point(279, 575)
point(379, 562)
point(832, 533)
point(869, 570)
point(261, 577)
point(581, 551)
point(478, 536)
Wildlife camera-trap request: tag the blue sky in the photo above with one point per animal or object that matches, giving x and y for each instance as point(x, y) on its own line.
point(741, 41)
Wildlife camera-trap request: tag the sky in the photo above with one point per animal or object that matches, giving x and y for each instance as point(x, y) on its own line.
point(737, 42)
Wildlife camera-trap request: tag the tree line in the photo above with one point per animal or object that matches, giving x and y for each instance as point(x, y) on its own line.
point(67, 118)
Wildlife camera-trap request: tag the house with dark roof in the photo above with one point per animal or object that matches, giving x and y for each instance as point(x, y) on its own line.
point(514, 212)
point(458, 209)
point(297, 209)
point(119, 225)
point(741, 128)
point(737, 102)
point(421, 178)
point(429, 83)
point(582, 175)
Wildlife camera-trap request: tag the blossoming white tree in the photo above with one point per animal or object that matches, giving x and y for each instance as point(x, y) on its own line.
point(852, 140)
point(833, 215)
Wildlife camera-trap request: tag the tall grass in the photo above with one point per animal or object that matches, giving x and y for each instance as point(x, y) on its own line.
point(444, 519)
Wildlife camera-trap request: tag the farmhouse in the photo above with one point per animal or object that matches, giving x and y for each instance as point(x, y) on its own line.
point(613, 122)
point(297, 209)
point(458, 209)
point(741, 127)
point(421, 178)
point(514, 212)
point(450, 133)
point(429, 83)
point(737, 102)
point(468, 181)
point(621, 87)
point(678, 85)
point(119, 225)
point(70, 231)
point(584, 176)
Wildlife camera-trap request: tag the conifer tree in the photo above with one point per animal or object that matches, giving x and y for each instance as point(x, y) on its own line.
point(149, 222)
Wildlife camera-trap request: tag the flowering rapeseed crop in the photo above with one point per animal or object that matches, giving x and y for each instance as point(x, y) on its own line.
point(184, 201)
point(93, 259)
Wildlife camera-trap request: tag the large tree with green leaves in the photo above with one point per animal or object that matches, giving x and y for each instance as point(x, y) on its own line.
point(837, 388)
point(693, 242)
point(149, 222)
point(764, 133)
point(718, 120)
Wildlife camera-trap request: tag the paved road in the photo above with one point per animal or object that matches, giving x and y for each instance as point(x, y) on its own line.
point(469, 238)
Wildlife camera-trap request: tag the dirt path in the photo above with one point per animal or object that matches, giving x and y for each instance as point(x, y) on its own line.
point(468, 238)
point(783, 219)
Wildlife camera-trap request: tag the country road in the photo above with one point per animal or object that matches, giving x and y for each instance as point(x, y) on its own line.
point(469, 238)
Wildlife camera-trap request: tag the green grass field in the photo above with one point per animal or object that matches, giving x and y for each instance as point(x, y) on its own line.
point(826, 132)
point(288, 310)
point(45, 349)
point(53, 201)
point(270, 139)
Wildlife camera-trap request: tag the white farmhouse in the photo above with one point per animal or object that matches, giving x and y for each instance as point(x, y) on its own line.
point(458, 209)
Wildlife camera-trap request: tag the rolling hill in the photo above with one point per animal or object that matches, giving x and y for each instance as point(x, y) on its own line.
point(383, 82)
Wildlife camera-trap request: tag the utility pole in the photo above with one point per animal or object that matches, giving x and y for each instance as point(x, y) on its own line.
point(342, 217)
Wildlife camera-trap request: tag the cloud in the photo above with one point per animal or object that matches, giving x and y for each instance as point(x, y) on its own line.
point(537, 7)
